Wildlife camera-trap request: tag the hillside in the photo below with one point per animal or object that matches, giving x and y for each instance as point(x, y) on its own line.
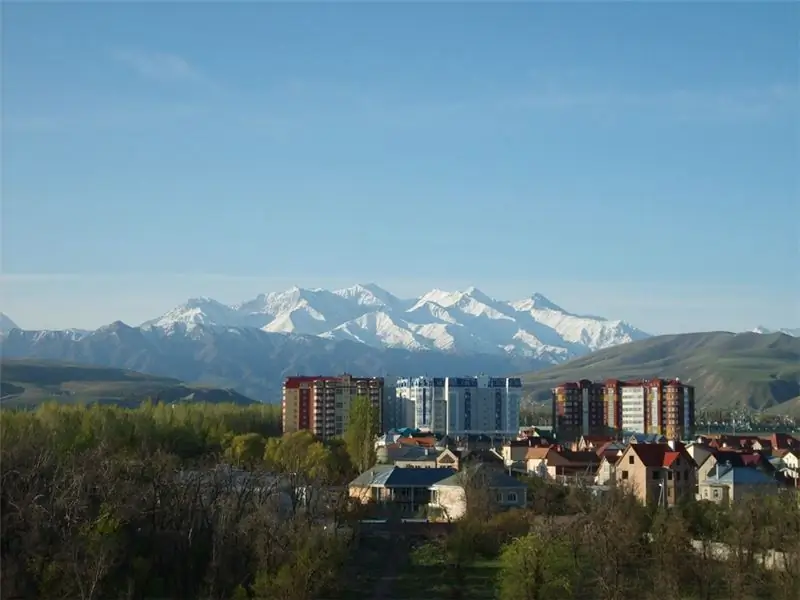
point(729, 370)
point(29, 382)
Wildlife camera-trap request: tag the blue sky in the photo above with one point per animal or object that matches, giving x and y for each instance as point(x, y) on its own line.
point(633, 160)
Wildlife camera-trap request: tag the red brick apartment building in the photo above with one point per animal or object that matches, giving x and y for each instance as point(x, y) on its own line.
point(321, 404)
point(652, 406)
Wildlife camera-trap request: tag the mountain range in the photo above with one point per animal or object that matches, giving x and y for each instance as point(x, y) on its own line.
point(364, 329)
point(466, 321)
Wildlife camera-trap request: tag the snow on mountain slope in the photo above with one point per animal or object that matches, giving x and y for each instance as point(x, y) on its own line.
point(785, 330)
point(466, 321)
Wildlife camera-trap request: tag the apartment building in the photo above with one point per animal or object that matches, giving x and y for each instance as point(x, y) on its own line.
point(457, 406)
point(321, 404)
point(654, 406)
point(579, 408)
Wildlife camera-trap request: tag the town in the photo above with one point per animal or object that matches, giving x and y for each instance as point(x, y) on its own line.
point(634, 435)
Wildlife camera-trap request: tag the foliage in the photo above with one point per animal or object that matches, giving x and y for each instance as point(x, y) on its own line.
point(535, 567)
point(360, 434)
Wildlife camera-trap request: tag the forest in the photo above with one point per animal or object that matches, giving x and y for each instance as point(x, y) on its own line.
point(212, 502)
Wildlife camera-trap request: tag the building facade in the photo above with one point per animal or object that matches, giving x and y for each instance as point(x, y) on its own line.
point(459, 405)
point(655, 406)
point(321, 404)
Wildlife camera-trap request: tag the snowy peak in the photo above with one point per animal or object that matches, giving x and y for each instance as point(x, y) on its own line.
point(794, 332)
point(468, 321)
point(537, 302)
point(368, 294)
point(6, 324)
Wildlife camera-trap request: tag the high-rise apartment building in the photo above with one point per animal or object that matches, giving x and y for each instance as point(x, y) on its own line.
point(656, 406)
point(321, 404)
point(458, 405)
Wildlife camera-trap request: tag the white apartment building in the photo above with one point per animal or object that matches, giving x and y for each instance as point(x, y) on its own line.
point(632, 400)
point(458, 405)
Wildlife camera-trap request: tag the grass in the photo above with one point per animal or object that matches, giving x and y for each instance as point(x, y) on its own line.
point(478, 581)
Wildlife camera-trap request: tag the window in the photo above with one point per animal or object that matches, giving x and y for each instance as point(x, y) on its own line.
point(512, 496)
point(624, 474)
point(656, 475)
point(669, 475)
point(716, 493)
point(630, 460)
point(678, 476)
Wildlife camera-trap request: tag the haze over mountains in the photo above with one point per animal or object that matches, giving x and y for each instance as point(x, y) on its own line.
point(363, 329)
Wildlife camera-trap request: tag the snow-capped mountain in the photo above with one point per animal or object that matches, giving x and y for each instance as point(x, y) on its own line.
point(461, 322)
point(6, 324)
point(785, 330)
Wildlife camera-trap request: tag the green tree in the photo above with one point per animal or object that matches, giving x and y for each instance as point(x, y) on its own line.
point(359, 437)
point(247, 449)
point(535, 567)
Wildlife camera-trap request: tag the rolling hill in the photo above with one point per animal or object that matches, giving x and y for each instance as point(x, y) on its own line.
point(30, 382)
point(757, 371)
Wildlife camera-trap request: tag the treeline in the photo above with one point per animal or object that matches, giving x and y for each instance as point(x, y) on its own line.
point(190, 501)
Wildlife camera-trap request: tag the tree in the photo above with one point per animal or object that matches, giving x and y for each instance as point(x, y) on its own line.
point(535, 567)
point(359, 437)
point(247, 449)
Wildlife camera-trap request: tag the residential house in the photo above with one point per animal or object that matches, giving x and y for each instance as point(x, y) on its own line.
point(699, 451)
point(405, 490)
point(514, 451)
point(726, 484)
point(588, 443)
point(657, 473)
point(558, 463)
point(416, 457)
point(754, 460)
point(647, 438)
point(789, 464)
point(451, 496)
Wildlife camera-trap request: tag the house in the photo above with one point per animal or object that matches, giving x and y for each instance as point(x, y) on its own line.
point(753, 460)
point(405, 490)
point(514, 451)
point(452, 495)
point(789, 463)
point(699, 451)
point(657, 473)
point(726, 484)
point(611, 450)
point(606, 471)
point(449, 458)
point(647, 438)
point(558, 463)
point(592, 442)
point(417, 457)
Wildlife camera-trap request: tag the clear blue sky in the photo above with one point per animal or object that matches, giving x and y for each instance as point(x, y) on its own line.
point(633, 160)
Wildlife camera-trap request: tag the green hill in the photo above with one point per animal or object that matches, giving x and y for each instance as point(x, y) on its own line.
point(728, 370)
point(30, 382)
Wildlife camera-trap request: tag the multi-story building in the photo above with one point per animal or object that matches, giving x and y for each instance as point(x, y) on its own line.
point(459, 405)
point(579, 409)
point(321, 404)
point(655, 406)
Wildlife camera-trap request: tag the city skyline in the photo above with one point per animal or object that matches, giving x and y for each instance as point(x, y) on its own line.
point(154, 153)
